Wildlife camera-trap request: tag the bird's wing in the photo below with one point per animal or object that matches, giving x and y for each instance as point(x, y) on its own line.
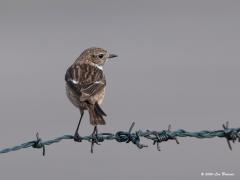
point(85, 79)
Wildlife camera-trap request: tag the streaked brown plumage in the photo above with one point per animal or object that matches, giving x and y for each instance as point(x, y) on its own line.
point(88, 90)
point(85, 85)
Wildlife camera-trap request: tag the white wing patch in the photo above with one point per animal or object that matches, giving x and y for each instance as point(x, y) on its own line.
point(74, 81)
point(99, 82)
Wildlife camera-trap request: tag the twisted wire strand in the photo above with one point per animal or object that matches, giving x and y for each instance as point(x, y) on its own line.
point(157, 137)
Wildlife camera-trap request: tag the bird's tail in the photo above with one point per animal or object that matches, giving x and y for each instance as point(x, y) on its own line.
point(96, 115)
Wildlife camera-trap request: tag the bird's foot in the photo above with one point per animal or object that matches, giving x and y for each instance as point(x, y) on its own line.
point(94, 138)
point(94, 141)
point(77, 137)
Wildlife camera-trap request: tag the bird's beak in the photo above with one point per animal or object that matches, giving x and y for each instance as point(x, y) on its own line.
point(112, 56)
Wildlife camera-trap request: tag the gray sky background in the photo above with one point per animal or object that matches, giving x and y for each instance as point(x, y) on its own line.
point(178, 63)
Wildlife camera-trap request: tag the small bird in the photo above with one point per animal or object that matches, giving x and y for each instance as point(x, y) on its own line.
point(85, 86)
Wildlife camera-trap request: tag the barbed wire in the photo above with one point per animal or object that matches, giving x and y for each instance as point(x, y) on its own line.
point(157, 137)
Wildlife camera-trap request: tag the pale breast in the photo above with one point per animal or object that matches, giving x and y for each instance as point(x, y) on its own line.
point(72, 96)
point(99, 96)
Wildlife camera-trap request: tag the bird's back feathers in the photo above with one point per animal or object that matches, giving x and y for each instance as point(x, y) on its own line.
point(85, 79)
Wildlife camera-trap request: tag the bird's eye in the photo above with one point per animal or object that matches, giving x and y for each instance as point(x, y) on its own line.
point(100, 56)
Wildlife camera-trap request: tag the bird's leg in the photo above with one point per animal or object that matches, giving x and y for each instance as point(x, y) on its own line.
point(94, 133)
point(77, 137)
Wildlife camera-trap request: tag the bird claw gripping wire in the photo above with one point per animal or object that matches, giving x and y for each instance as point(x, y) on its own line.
point(38, 144)
point(163, 136)
point(230, 134)
point(127, 137)
point(94, 139)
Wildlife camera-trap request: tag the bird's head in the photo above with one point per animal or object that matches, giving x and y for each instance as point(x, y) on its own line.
point(96, 55)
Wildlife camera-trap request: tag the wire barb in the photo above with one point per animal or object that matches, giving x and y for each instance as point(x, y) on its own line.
point(230, 134)
point(38, 144)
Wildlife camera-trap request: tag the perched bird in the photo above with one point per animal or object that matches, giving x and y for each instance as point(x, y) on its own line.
point(85, 85)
